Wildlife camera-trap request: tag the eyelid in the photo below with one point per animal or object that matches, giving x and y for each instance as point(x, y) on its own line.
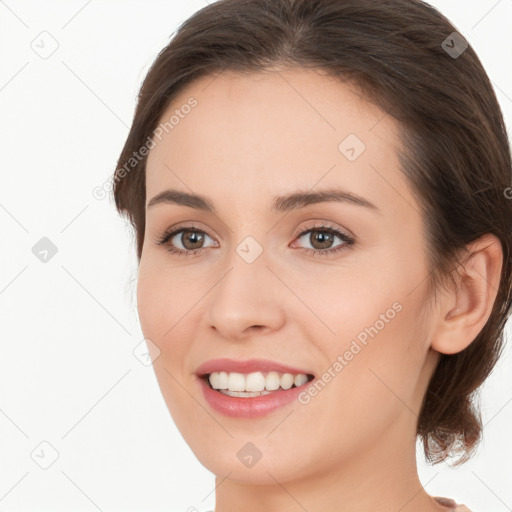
point(347, 239)
point(175, 229)
point(318, 224)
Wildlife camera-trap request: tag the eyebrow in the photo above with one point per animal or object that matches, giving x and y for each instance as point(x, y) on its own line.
point(285, 203)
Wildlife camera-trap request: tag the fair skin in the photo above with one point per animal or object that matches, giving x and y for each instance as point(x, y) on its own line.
point(249, 139)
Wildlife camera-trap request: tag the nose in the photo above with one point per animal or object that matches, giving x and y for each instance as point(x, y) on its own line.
point(248, 299)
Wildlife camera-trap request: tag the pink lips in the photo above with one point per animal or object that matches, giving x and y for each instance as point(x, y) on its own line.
point(253, 407)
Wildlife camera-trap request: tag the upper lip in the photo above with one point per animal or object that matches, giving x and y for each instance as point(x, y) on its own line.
point(247, 366)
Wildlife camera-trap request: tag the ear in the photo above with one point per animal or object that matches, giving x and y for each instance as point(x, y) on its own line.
point(464, 309)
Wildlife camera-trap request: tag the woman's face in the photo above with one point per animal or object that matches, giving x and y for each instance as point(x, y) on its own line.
point(353, 314)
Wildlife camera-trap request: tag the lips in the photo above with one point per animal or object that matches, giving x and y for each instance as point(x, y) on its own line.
point(247, 366)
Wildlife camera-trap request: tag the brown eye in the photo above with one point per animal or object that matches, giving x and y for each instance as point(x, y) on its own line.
point(191, 239)
point(321, 239)
point(185, 240)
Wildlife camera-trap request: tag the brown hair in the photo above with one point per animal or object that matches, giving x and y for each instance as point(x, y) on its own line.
point(456, 153)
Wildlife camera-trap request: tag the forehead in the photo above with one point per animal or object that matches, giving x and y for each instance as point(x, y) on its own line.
point(274, 131)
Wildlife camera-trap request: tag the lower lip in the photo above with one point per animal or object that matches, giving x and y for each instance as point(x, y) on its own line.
point(252, 407)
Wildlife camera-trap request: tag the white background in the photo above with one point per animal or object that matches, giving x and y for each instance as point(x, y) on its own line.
point(68, 375)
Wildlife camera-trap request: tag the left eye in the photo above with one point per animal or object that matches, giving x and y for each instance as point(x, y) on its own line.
point(322, 238)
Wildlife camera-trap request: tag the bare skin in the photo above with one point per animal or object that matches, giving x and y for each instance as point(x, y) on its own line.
point(249, 139)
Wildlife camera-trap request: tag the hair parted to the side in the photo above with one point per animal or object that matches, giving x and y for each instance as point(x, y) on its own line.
point(456, 154)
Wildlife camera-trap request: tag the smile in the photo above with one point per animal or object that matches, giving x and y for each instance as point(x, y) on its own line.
point(251, 388)
point(255, 383)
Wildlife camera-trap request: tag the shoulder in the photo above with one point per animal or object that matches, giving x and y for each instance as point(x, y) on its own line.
point(454, 507)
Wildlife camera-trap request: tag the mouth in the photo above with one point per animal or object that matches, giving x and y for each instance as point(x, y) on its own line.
point(251, 388)
point(254, 384)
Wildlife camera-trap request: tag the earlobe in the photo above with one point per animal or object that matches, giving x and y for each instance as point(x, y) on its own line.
point(465, 309)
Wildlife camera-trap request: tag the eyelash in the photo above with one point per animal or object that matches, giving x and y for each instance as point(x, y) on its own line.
point(348, 240)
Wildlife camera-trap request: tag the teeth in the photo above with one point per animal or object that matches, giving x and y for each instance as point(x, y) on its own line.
point(244, 394)
point(256, 383)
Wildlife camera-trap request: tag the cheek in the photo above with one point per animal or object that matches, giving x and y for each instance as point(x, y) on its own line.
point(163, 300)
point(370, 333)
point(162, 307)
point(369, 386)
point(149, 302)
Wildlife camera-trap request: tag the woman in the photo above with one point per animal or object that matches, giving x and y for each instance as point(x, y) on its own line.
point(320, 194)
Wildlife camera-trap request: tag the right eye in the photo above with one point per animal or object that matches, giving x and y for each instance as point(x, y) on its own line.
point(189, 237)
